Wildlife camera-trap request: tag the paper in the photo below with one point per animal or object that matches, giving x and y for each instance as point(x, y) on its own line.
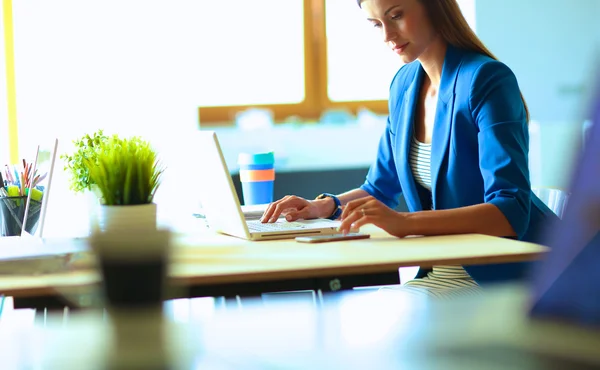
point(33, 256)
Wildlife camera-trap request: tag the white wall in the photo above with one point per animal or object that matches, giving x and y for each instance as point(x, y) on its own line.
point(551, 45)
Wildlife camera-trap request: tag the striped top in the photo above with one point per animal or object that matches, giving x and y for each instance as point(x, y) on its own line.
point(420, 163)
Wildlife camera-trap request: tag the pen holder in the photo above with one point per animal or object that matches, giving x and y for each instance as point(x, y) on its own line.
point(12, 211)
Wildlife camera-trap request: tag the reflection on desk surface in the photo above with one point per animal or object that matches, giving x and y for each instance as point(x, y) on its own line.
point(377, 329)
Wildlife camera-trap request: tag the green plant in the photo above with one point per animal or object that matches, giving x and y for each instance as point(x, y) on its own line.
point(126, 171)
point(76, 164)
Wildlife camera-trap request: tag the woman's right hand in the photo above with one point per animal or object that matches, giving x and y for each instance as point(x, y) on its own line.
point(295, 208)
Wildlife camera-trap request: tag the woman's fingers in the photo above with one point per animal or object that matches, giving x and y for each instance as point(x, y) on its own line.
point(349, 222)
point(279, 208)
point(351, 206)
point(365, 219)
point(293, 215)
point(269, 212)
point(290, 202)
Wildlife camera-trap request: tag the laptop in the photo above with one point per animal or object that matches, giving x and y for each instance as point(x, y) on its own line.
point(222, 209)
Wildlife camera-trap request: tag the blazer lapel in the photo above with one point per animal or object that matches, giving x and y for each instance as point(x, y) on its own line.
point(407, 116)
point(444, 116)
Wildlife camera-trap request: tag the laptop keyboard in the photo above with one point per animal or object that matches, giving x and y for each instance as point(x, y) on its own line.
point(257, 226)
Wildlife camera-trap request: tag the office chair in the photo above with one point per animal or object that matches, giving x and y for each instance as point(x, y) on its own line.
point(555, 199)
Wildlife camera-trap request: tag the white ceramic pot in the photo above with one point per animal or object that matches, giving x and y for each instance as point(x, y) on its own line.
point(93, 207)
point(131, 218)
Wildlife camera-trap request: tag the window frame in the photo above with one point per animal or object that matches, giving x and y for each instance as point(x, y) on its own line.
point(316, 99)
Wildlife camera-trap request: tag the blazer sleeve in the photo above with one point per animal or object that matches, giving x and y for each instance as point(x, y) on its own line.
point(499, 112)
point(382, 180)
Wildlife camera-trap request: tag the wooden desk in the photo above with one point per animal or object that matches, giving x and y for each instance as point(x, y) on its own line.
point(217, 265)
point(358, 330)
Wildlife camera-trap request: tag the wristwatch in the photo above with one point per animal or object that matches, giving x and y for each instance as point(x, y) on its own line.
point(337, 212)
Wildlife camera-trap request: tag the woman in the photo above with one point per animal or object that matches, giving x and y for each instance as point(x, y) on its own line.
point(455, 145)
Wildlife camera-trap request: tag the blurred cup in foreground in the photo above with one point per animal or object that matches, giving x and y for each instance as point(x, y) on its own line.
point(133, 267)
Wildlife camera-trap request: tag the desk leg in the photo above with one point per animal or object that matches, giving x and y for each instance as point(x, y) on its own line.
point(237, 302)
point(345, 283)
point(228, 302)
point(335, 284)
point(43, 306)
point(41, 315)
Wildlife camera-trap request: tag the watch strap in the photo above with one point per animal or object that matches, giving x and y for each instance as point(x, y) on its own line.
point(337, 212)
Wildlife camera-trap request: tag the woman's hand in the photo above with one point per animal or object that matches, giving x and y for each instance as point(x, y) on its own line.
point(295, 208)
point(369, 210)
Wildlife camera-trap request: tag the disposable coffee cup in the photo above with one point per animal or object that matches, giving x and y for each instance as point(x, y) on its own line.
point(257, 175)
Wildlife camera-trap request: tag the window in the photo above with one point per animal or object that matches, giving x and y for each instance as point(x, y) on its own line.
point(255, 52)
point(125, 66)
point(346, 64)
point(258, 55)
point(468, 9)
point(136, 65)
point(359, 65)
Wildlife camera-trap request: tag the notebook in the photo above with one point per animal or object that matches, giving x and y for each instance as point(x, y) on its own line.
point(222, 209)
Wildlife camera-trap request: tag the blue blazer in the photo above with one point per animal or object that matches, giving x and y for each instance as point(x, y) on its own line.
point(479, 151)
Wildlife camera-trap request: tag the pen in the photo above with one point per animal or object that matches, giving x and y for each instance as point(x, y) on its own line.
point(29, 173)
point(7, 173)
point(40, 178)
point(16, 178)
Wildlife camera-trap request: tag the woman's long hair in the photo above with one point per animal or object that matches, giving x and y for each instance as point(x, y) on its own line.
point(449, 21)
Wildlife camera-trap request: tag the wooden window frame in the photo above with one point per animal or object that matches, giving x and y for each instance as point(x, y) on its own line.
point(316, 99)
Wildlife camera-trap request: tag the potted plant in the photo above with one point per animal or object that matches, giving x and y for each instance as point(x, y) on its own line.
point(126, 173)
point(76, 164)
point(86, 149)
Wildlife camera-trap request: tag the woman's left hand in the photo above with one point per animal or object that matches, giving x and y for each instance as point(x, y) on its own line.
point(369, 210)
